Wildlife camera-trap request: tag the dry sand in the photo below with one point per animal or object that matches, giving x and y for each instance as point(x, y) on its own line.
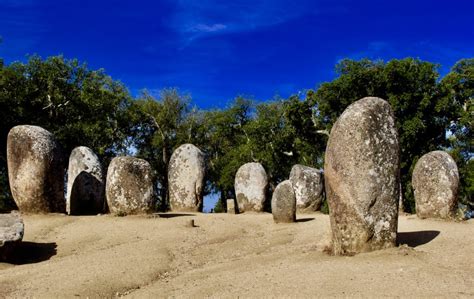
point(231, 256)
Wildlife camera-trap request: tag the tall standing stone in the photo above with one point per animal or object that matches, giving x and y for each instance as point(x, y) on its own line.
point(435, 182)
point(250, 187)
point(35, 170)
point(186, 179)
point(362, 177)
point(231, 206)
point(284, 203)
point(85, 184)
point(308, 185)
point(129, 186)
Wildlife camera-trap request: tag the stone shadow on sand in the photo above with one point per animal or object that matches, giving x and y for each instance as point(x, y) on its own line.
point(414, 239)
point(30, 253)
point(172, 215)
point(304, 219)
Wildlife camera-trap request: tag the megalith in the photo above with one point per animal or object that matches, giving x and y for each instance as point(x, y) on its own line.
point(308, 185)
point(231, 206)
point(250, 187)
point(186, 179)
point(284, 203)
point(361, 173)
point(435, 183)
point(11, 232)
point(85, 183)
point(129, 186)
point(35, 170)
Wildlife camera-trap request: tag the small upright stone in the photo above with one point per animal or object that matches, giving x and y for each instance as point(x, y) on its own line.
point(308, 185)
point(85, 184)
point(435, 182)
point(129, 186)
point(284, 203)
point(11, 232)
point(35, 170)
point(362, 178)
point(250, 187)
point(231, 206)
point(186, 179)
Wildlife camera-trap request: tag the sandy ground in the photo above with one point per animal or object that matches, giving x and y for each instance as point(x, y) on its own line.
point(231, 256)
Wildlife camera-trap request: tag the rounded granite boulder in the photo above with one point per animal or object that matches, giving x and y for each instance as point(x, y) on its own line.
point(250, 187)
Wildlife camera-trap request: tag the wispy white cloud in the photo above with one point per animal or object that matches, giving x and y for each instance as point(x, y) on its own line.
point(207, 28)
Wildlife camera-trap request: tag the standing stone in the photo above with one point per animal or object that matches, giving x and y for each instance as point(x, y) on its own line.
point(35, 170)
point(129, 186)
point(231, 206)
point(11, 232)
point(85, 184)
point(308, 186)
point(435, 182)
point(250, 187)
point(362, 178)
point(186, 179)
point(284, 203)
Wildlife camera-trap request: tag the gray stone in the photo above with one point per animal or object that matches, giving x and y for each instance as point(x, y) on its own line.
point(85, 185)
point(231, 206)
point(435, 182)
point(362, 178)
point(284, 203)
point(35, 170)
point(250, 187)
point(11, 232)
point(129, 186)
point(308, 185)
point(186, 179)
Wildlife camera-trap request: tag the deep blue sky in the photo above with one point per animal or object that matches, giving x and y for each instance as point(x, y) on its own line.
point(216, 51)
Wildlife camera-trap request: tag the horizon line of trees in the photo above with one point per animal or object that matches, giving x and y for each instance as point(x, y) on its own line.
point(87, 107)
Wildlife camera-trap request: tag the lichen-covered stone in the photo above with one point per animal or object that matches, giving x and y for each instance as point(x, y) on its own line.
point(308, 185)
point(129, 186)
point(186, 179)
point(362, 177)
point(85, 184)
point(284, 203)
point(35, 170)
point(231, 206)
point(250, 187)
point(11, 232)
point(435, 182)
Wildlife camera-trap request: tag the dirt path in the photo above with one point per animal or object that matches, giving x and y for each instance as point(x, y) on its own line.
point(231, 255)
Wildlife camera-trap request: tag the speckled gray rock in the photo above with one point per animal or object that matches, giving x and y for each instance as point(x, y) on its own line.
point(186, 179)
point(35, 170)
point(231, 206)
point(362, 178)
point(85, 185)
point(284, 203)
point(435, 182)
point(129, 186)
point(11, 232)
point(308, 185)
point(250, 187)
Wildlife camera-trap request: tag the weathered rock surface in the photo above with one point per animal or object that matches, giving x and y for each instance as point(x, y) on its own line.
point(250, 187)
point(85, 184)
point(35, 170)
point(186, 179)
point(284, 203)
point(11, 232)
point(435, 182)
point(231, 206)
point(129, 186)
point(308, 185)
point(362, 177)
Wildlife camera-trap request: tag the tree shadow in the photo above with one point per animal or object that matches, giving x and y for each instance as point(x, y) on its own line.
point(414, 239)
point(30, 253)
point(304, 219)
point(171, 215)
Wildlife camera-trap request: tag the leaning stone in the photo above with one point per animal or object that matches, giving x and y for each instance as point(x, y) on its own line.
point(231, 206)
point(35, 170)
point(11, 232)
point(129, 186)
point(362, 178)
point(435, 182)
point(85, 184)
point(250, 187)
point(284, 203)
point(308, 185)
point(186, 179)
